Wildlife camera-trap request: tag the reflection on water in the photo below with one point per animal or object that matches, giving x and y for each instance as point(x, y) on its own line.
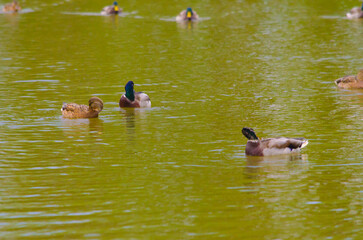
point(24, 10)
point(133, 118)
point(123, 14)
point(81, 128)
point(187, 24)
point(129, 117)
point(351, 97)
point(280, 166)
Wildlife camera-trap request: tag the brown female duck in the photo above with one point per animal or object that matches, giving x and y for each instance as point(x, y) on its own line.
point(12, 7)
point(271, 146)
point(132, 99)
point(351, 81)
point(73, 110)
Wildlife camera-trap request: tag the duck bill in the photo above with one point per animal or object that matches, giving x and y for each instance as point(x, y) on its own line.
point(189, 15)
point(116, 9)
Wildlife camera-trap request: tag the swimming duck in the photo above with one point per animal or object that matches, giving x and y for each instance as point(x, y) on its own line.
point(356, 12)
point(134, 99)
point(351, 81)
point(187, 15)
point(113, 9)
point(74, 110)
point(271, 146)
point(12, 7)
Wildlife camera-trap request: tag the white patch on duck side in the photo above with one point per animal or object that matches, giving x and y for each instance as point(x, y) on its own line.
point(351, 16)
point(355, 13)
point(279, 151)
point(144, 100)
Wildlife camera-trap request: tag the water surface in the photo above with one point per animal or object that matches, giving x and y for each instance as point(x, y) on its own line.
point(178, 170)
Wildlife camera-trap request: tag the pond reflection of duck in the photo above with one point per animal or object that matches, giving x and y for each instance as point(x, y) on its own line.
point(79, 128)
point(187, 25)
point(355, 13)
point(271, 146)
point(12, 7)
point(187, 15)
point(276, 166)
point(351, 81)
point(112, 9)
point(132, 99)
point(73, 110)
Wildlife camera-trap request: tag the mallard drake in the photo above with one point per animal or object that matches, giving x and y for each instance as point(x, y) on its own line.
point(134, 99)
point(351, 81)
point(12, 7)
point(187, 15)
point(113, 9)
point(356, 12)
point(74, 110)
point(271, 146)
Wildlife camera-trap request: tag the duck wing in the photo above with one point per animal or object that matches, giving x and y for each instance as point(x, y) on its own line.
point(282, 142)
point(108, 10)
point(74, 107)
point(143, 99)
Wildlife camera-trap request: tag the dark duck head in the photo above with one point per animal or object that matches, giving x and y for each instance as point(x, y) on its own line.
point(115, 6)
point(249, 133)
point(130, 93)
point(189, 13)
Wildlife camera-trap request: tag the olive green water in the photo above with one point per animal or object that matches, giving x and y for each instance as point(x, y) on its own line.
point(178, 170)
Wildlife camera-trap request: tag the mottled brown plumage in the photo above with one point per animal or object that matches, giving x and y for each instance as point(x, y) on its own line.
point(73, 110)
point(351, 81)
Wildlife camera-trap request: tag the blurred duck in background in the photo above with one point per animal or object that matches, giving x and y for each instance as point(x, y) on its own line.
point(355, 13)
point(187, 15)
point(351, 81)
point(12, 7)
point(111, 10)
point(74, 110)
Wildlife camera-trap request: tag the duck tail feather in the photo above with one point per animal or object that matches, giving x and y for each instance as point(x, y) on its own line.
point(305, 142)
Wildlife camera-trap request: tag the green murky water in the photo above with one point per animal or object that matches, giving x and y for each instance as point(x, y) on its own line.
point(178, 170)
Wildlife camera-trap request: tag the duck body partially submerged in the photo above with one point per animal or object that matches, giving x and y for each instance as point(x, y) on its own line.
point(355, 13)
point(112, 9)
point(271, 146)
point(12, 7)
point(74, 110)
point(187, 15)
point(351, 81)
point(132, 99)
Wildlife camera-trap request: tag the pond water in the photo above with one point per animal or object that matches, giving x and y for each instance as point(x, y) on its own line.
point(178, 170)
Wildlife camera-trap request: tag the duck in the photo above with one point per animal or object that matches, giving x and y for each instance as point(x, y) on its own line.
point(187, 15)
point(112, 9)
point(12, 7)
point(355, 13)
point(271, 146)
point(351, 81)
point(74, 110)
point(132, 99)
